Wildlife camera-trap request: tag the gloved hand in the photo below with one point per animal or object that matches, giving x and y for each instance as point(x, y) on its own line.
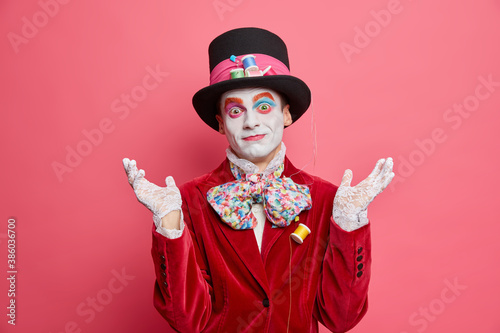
point(159, 200)
point(350, 203)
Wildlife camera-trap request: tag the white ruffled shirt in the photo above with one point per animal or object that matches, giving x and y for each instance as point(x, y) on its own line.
point(258, 209)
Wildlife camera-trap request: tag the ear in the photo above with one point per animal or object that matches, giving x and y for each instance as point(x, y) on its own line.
point(287, 116)
point(221, 124)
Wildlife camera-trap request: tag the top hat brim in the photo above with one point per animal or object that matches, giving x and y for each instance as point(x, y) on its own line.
point(296, 92)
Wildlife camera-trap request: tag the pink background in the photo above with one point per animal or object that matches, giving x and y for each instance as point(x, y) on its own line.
point(437, 225)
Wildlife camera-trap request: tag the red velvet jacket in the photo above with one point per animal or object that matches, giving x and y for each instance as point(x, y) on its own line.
point(213, 278)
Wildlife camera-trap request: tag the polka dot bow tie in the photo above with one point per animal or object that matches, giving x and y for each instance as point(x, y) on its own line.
point(283, 200)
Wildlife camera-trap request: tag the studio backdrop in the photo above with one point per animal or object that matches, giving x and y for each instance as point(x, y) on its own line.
point(86, 83)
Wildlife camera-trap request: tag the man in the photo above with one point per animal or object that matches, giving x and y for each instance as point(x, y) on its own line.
point(224, 259)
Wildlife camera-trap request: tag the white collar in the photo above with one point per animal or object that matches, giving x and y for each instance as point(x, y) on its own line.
point(248, 167)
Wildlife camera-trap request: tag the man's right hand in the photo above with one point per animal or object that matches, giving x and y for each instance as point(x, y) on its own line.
point(159, 200)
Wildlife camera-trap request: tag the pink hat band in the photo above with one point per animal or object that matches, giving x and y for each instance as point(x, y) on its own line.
point(258, 65)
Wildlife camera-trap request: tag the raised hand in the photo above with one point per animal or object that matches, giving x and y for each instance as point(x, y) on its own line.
point(350, 202)
point(159, 200)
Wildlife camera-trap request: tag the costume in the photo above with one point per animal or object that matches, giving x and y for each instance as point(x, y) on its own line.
point(213, 278)
point(213, 272)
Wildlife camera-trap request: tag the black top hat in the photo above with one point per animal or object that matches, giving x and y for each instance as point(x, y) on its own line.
point(268, 69)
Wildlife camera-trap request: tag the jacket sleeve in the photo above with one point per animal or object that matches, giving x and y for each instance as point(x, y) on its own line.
point(182, 293)
point(341, 299)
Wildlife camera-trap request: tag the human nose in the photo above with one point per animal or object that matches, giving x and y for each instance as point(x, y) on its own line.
point(252, 119)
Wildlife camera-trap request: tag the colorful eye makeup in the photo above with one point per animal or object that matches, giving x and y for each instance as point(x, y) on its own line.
point(264, 94)
point(233, 109)
point(233, 106)
point(263, 102)
point(264, 105)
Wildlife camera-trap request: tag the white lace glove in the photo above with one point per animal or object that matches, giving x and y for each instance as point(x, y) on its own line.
point(350, 203)
point(159, 200)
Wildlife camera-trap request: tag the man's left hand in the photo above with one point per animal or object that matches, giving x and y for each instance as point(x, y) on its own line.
point(350, 201)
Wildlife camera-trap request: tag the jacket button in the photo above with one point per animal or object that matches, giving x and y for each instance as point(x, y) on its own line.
point(165, 283)
point(163, 274)
point(360, 266)
point(163, 266)
point(359, 258)
point(162, 257)
point(359, 273)
point(360, 249)
point(265, 302)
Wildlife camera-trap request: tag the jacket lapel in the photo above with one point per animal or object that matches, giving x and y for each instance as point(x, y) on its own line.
point(271, 235)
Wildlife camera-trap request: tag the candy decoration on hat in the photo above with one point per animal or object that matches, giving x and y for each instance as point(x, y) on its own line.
point(250, 67)
point(250, 64)
point(267, 70)
point(237, 73)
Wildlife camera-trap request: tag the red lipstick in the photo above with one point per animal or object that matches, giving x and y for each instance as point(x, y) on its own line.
point(254, 137)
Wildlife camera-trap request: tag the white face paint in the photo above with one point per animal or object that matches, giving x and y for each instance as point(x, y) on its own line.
point(253, 120)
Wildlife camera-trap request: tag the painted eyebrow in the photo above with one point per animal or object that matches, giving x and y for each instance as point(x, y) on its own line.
point(259, 96)
point(232, 100)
